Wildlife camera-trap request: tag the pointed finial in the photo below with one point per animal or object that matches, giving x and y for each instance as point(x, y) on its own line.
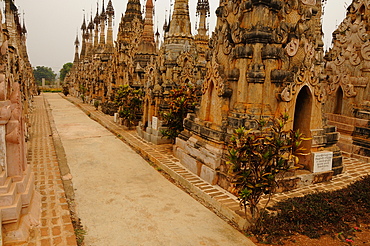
point(24, 30)
point(83, 27)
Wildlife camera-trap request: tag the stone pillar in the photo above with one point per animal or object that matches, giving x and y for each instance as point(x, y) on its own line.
point(43, 82)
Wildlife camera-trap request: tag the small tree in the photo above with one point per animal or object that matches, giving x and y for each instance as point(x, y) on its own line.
point(181, 101)
point(130, 101)
point(257, 157)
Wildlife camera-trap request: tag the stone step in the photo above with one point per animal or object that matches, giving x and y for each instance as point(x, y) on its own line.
point(6, 186)
point(345, 146)
point(342, 127)
point(28, 191)
point(2, 177)
point(345, 138)
point(7, 199)
point(11, 213)
point(22, 184)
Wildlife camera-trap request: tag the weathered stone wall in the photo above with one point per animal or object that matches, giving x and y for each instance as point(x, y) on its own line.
point(347, 71)
point(266, 58)
point(17, 193)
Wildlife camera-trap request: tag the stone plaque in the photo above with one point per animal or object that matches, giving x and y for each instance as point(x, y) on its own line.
point(322, 161)
point(155, 123)
point(115, 117)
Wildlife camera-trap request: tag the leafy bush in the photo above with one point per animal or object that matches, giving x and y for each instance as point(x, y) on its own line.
point(109, 108)
point(317, 214)
point(96, 104)
point(130, 101)
point(258, 156)
point(181, 101)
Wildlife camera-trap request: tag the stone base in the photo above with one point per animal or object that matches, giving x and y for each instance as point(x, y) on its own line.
point(20, 206)
point(153, 136)
point(206, 157)
point(19, 231)
point(354, 132)
point(200, 156)
point(303, 178)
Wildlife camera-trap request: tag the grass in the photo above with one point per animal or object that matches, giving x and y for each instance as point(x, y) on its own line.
point(314, 215)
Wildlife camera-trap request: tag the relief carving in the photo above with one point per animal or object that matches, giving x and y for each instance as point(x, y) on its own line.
point(349, 90)
point(288, 92)
point(236, 33)
point(5, 112)
point(292, 47)
point(365, 51)
point(213, 76)
point(354, 59)
point(309, 2)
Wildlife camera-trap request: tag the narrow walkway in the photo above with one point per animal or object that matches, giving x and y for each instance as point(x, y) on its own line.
point(122, 200)
point(56, 226)
point(221, 201)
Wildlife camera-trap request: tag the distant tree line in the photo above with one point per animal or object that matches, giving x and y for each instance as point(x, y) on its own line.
point(47, 73)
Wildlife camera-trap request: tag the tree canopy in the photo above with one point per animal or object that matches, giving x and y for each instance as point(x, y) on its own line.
point(65, 69)
point(43, 72)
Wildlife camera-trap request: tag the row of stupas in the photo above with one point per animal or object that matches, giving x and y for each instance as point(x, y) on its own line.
point(20, 203)
point(139, 58)
point(264, 58)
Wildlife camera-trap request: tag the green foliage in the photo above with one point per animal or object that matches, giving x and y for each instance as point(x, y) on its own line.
point(66, 89)
point(65, 70)
point(52, 90)
point(130, 102)
point(181, 101)
point(96, 104)
point(109, 108)
point(83, 89)
point(318, 214)
point(41, 72)
point(257, 157)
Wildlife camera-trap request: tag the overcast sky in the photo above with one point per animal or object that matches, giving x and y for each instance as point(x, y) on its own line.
point(52, 24)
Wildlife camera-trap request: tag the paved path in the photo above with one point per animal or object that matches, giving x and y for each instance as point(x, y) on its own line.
point(56, 226)
point(213, 195)
point(121, 199)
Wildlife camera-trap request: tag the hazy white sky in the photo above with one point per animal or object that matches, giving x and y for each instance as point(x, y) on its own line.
point(52, 24)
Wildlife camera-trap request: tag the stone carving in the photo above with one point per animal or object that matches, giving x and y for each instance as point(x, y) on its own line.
point(213, 76)
point(309, 2)
point(287, 94)
point(259, 64)
point(365, 51)
point(292, 47)
point(347, 72)
point(349, 90)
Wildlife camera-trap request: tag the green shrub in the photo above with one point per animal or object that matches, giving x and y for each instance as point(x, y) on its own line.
point(317, 214)
point(258, 156)
point(180, 102)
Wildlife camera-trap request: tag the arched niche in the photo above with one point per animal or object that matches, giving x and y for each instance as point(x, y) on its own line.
point(302, 117)
point(209, 102)
point(338, 104)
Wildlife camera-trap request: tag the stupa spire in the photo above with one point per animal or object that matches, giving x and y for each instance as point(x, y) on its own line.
point(148, 33)
point(133, 10)
point(180, 26)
